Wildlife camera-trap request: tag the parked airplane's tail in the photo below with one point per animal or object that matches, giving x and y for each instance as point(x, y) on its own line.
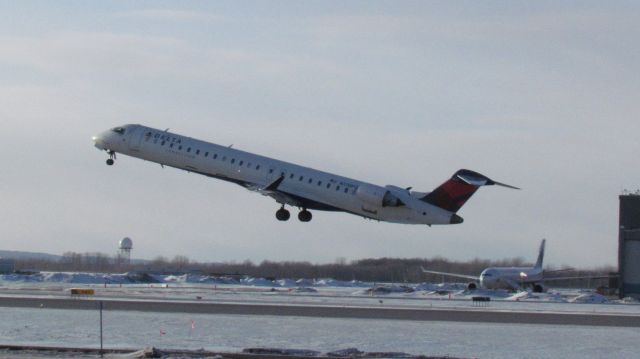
point(540, 255)
point(453, 194)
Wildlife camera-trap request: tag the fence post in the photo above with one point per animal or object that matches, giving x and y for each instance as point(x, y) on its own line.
point(101, 351)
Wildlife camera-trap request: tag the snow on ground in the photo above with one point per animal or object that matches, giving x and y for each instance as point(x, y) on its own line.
point(589, 298)
point(310, 287)
point(132, 278)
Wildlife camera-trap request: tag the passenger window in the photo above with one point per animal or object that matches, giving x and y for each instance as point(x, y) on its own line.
point(257, 167)
point(240, 164)
point(271, 170)
point(248, 164)
point(180, 147)
point(206, 154)
point(319, 183)
point(224, 158)
point(188, 149)
point(346, 190)
point(291, 176)
point(215, 155)
point(328, 185)
point(162, 143)
point(337, 188)
point(171, 145)
point(310, 180)
point(301, 178)
point(233, 160)
point(197, 152)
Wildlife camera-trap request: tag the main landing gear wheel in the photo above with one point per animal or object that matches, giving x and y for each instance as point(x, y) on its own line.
point(112, 157)
point(304, 216)
point(282, 214)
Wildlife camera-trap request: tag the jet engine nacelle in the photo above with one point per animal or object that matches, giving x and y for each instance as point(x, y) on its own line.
point(377, 196)
point(539, 288)
point(472, 286)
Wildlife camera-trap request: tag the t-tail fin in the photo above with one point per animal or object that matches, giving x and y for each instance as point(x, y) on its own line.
point(455, 192)
point(540, 255)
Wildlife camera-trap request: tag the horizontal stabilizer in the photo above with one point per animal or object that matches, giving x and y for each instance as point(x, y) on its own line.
point(478, 180)
point(559, 270)
point(578, 277)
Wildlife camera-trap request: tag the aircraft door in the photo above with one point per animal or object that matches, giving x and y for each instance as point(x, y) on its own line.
point(135, 140)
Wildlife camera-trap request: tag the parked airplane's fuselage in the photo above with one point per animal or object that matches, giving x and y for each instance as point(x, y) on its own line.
point(287, 183)
point(507, 277)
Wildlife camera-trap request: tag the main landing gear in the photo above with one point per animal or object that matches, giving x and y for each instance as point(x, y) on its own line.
point(283, 215)
point(304, 215)
point(112, 158)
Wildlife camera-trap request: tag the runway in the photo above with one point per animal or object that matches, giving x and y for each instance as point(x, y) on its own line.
point(233, 318)
point(472, 315)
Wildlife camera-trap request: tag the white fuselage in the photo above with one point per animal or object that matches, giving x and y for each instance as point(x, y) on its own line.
point(299, 186)
point(510, 277)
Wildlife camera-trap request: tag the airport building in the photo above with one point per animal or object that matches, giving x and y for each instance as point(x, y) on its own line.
point(629, 245)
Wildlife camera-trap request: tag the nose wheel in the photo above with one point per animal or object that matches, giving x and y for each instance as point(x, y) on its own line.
point(112, 158)
point(282, 214)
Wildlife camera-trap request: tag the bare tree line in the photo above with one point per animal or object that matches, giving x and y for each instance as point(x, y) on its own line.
point(395, 270)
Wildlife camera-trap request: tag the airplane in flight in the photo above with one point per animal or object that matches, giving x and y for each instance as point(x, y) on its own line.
point(294, 185)
point(512, 278)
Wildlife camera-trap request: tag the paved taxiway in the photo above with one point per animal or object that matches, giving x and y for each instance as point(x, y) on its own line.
point(479, 315)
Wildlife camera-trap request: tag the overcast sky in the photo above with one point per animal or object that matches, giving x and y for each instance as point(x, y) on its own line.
point(543, 95)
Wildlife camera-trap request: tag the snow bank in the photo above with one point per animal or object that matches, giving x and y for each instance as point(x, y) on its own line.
point(258, 282)
point(457, 290)
point(328, 282)
point(589, 298)
point(439, 287)
point(69, 277)
point(629, 300)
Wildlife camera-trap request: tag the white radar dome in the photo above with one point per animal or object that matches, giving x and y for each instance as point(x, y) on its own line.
point(126, 243)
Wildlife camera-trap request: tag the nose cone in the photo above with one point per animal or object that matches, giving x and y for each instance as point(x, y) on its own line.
point(486, 282)
point(98, 141)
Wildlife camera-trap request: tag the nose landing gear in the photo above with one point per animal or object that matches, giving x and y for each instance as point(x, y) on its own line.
point(112, 158)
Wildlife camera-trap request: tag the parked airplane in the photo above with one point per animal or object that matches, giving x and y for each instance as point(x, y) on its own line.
point(295, 185)
point(511, 278)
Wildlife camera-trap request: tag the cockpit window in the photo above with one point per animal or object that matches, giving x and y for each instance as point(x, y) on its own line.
point(119, 130)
